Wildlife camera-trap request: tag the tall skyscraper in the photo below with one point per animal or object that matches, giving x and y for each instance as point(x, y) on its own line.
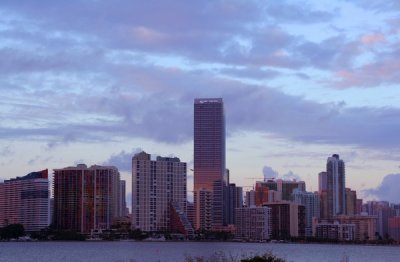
point(209, 162)
point(336, 187)
point(85, 198)
point(311, 203)
point(159, 194)
point(25, 200)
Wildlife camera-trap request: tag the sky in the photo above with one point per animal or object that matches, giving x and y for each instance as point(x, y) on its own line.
point(97, 81)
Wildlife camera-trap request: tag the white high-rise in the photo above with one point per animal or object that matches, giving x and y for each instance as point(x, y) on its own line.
point(157, 186)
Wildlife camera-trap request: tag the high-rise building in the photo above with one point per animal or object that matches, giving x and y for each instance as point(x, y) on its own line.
point(311, 203)
point(209, 161)
point(158, 193)
point(122, 199)
point(235, 200)
point(25, 200)
point(287, 220)
point(336, 194)
point(85, 199)
point(351, 202)
point(250, 198)
point(253, 223)
point(322, 181)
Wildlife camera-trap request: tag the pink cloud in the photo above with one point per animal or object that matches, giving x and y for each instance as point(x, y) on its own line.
point(372, 39)
point(370, 75)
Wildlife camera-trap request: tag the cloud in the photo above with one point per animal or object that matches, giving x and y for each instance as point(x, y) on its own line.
point(291, 176)
point(378, 5)
point(161, 109)
point(370, 75)
point(371, 39)
point(388, 190)
point(6, 151)
point(268, 172)
point(122, 160)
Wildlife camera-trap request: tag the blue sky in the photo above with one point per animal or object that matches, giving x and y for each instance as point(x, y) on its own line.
point(96, 81)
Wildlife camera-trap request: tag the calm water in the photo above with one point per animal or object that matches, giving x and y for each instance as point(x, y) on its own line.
point(175, 251)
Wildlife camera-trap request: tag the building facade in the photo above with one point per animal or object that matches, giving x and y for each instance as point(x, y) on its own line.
point(235, 200)
point(158, 186)
point(311, 203)
point(394, 228)
point(335, 231)
point(336, 194)
point(25, 200)
point(276, 190)
point(210, 173)
point(253, 223)
point(287, 220)
point(85, 199)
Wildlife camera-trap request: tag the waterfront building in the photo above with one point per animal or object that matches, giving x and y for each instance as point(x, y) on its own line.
point(190, 212)
point(287, 220)
point(336, 194)
point(335, 231)
point(158, 193)
point(85, 199)
point(365, 226)
point(210, 175)
point(253, 223)
point(25, 200)
point(203, 200)
point(382, 211)
point(311, 203)
point(394, 228)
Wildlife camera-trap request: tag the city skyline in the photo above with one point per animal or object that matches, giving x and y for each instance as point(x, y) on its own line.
point(95, 83)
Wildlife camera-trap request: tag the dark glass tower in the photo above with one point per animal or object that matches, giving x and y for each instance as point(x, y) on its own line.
point(209, 161)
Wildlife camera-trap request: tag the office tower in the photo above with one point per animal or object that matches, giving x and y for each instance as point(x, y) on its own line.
point(25, 200)
point(235, 200)
point(85, 199)
point(323, 193)
point(158, 188)
point(322, 181)
point(209, 162)
point(253, 223)
point(122, 199)
point(351, 202)
point(336, 193)
point(311, 203)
